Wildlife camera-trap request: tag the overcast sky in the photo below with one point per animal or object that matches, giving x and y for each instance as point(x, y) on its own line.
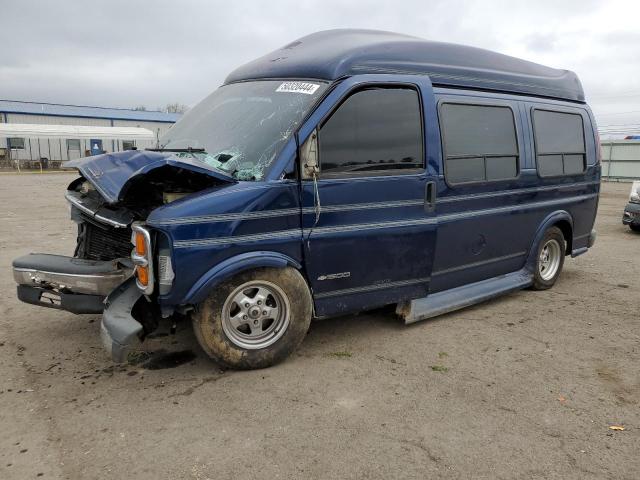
point(124, 53)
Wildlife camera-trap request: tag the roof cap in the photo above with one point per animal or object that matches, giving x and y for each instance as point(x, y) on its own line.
point(332, 54)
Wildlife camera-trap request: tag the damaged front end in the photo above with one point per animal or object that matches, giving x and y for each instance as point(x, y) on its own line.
point(112, 270)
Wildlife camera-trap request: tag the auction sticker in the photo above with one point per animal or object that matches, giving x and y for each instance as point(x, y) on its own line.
point(298, 87)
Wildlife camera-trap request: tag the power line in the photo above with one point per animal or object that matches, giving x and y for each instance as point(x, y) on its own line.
point(616, 113)
point(620, 95)
point(620, 125)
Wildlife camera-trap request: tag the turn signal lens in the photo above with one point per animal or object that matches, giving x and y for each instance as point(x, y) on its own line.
point(141, 257)
point(143, 274)
point(141, 246)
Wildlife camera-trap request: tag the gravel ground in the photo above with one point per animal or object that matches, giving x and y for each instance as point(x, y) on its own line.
point(525, 386)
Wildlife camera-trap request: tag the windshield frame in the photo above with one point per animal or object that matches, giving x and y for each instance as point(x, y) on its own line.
point(282, 162)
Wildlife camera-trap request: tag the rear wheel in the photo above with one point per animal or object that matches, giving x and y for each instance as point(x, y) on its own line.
point(549, 259)
point(256, 319)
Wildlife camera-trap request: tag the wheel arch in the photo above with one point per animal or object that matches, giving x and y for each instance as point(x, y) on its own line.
point(234, 265)
point(561, 219)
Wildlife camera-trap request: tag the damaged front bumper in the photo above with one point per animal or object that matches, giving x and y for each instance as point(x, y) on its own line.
point(58, 273)
point(85, 286)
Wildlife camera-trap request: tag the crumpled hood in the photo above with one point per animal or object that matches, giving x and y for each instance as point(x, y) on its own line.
point(110, 173)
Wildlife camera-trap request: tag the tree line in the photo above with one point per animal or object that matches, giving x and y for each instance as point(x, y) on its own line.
point(168, 108)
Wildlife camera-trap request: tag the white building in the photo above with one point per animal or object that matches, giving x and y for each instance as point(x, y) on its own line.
point(621, 159)
point(26, 150)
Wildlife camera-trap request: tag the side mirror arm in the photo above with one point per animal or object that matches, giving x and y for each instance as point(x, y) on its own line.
point(309, 156)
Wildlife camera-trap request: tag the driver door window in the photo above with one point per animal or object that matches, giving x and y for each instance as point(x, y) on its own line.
point(373, 130)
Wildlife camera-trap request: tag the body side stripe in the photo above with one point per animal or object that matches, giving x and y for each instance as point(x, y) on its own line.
point(280, 235)
point(579, 237)
point(370, 288)
point(227, 217)
point(478, 264)
point(458, 198)
point(286, 234)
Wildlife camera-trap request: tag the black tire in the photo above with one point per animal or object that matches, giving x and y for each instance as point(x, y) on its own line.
point(209, 317)
point(540, 281)
point(635, 228)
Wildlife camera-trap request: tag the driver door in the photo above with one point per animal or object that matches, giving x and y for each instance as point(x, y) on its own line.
point(369, 224)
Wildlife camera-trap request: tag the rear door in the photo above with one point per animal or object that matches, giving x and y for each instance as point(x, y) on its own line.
point(369, 225)
point(483, 229)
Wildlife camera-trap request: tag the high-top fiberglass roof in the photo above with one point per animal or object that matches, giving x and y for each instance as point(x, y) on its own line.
point(333, 54)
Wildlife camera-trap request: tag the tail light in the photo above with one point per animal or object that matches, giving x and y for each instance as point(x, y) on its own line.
point(142, 258)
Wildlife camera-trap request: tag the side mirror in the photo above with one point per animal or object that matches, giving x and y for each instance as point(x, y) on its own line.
point(309, 156)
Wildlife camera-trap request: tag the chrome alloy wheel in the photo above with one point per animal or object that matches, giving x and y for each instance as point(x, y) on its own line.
point(255, 315)
point(549, 260)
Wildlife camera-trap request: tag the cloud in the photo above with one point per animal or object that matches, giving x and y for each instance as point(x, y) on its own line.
point(126, 53)
point(540, 42)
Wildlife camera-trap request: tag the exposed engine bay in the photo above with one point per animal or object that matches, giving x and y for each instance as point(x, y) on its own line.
point(104, 229)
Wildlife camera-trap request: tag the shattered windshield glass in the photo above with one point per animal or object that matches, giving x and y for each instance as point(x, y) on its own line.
point(241, 128)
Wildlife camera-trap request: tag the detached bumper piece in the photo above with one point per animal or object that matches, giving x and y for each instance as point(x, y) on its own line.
point(119, 330)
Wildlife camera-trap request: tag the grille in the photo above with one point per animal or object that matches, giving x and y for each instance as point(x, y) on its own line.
point(102, 242)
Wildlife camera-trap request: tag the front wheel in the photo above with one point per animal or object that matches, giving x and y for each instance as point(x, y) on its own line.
point(256, 319)
point(549, 260)
point(634, 227)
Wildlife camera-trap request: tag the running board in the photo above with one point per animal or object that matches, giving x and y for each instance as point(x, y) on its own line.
point(464, 296)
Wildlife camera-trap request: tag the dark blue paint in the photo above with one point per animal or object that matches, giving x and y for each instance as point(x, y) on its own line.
point(402, 253)
point(195, 266)
point(335, 54)
point(234, 265)
point(444, 252)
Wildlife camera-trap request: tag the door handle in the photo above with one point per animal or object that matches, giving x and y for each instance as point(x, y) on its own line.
point(430, 194)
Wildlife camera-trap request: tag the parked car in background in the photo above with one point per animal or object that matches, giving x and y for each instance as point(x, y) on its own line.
point(631, 215)
point(347, 170)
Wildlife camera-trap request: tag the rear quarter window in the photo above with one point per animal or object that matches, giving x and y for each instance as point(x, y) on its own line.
point(559, 142)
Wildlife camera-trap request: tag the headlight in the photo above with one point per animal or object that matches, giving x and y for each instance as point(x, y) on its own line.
point(142, 258)
point(86, 187)
point(635, 192)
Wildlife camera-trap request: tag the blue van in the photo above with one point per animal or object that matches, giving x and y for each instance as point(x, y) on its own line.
point(348, 170)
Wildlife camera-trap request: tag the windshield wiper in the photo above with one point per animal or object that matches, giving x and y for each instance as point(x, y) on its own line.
point(178, 150)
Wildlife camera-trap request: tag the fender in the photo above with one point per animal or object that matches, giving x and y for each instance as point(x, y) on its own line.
point(233, 266)
point(549, 221)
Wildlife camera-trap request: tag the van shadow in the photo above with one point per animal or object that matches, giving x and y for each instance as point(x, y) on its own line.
point(165, 349)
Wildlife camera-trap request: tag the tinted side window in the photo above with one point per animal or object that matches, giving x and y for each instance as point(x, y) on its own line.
point(373, 130)
point(480, 143)
point(560, 148)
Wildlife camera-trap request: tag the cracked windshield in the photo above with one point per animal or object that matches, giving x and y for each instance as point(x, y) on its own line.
point(241, 128)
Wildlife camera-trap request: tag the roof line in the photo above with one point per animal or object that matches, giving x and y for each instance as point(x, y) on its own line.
point(81, 106)
point(105, 117)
